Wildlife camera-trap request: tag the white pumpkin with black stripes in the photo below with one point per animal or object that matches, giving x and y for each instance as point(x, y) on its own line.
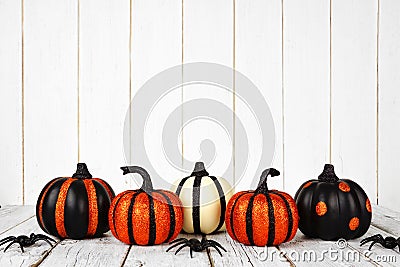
point(204, 200)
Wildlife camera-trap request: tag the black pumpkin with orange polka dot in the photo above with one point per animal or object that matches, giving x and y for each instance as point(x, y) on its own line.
point(331, 208)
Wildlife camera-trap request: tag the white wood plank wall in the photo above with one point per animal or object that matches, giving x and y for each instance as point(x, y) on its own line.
point(328, 69)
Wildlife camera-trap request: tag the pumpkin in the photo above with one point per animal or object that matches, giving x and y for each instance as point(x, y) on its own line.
point(145, 216)
point(75, 207)
point(262, 217)
point(204, 201)
point(331, 208)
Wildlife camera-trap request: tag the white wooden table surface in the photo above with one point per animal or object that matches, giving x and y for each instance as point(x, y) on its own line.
point(108, 251)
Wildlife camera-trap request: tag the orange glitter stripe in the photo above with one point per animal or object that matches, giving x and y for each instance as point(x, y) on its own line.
point(93, 211)
point(42, 199)
point(59, 213)
point(106, 186)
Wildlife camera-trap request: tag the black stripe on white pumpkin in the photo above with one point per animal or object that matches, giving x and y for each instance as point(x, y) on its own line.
point(196, 186)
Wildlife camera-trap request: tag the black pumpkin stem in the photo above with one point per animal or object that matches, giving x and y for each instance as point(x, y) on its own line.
point(328, 174)
point(262, 185)
point(147, 185)
point(82, 172)
point(199, 169)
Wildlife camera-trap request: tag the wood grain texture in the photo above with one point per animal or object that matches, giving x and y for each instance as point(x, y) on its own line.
point(33, 254)
point(258, 42)
point(11, 102)
point(104, 87)
point(354, 100)
point(108, 251)
point(50, 92)
point(11, 216)
point(241, 255)
point(305, 251)
point(210, 41)
point(306, 90)
point(389, 108)
point(156, 46)
point(157, 255)
point(105, 251)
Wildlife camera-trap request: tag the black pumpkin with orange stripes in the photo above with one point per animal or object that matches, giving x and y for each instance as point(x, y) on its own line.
point(262, 217)
point(145, 216)
point(75, 207)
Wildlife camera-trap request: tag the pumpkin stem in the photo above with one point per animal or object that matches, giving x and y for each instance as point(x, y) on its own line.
point(199, 169)
point(82, 171)
point(328, 174)
point(262, 185)
point(147, 185)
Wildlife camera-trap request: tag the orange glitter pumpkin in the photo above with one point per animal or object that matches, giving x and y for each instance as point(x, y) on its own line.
point(145, 216)
point(75, 207)
point(262, 217)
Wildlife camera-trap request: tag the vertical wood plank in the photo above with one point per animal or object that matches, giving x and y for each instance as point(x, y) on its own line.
point(208, 37)
point(10, 102)
point(104, 87)
point(354, 34)
point(50, 92)
point(306, 90)
point(156, 46)
point(389, 108)
point(259, 57)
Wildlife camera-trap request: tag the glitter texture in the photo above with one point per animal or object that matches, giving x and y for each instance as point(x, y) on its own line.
point(354, 223)
point(141, 219)
point(111, 213)
point(106, 187)
point(120, 217)
point(344, 187)
point(281, 219)
point(307, 185)
point(239, 218)
point(41, 202)
point(178, 210)
point(321, 208)
point(93, 210)
point(119, 210)
point(295, 213)
point(368, 205)
point(59, 212)
point(260, 222)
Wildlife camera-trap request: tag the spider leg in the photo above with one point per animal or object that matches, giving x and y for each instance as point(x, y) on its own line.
point(371, 238)
point(216, 244)
point(177, 244)
point(180, 248)
point(373, 242)
point(7, 239)
point(213, 246)
point(191, 252)
point(178, 240)
point(14, 242)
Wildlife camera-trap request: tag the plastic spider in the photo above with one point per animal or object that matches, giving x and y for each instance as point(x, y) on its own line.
point(387, 242)
point(195, 245)
point(25, 241)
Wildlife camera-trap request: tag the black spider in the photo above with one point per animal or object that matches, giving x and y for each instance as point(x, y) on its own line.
point(387, 242)
point(195, 245)
point(25, 241)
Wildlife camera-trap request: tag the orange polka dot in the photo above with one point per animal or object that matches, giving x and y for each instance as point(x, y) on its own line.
point(307, 185)
point(321, 208)
point(354, 223)
point(368, 205)
point(344, 187)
